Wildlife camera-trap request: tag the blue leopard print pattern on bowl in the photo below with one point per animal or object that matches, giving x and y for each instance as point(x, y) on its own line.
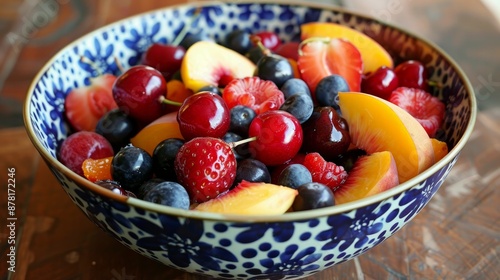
point(224, 249)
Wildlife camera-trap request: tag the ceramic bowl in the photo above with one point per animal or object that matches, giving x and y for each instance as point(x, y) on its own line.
point(288, 246)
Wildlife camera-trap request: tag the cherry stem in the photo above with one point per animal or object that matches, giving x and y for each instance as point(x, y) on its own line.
point(186, 27)
point(86, 60)
point(435, 84)
point(164, 100)
point(237, 143)
point(324, 40)
point(258, 42)
point(119, 65)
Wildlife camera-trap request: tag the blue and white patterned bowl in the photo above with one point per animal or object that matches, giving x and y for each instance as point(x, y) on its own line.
point(288, 246)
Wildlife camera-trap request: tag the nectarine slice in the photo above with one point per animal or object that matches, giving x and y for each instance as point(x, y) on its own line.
point(150, 136)
point(208, 63)
point(376, 125)
point(249, 198)
point(440, 148)
point(371, 174)
point(372, 53)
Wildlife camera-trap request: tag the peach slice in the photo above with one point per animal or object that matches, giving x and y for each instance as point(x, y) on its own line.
point(370, 175)
point(376, 125)
point(160, 129)
point(249, 198)
point(440, 148)
point(208, 63)
point(372, 53)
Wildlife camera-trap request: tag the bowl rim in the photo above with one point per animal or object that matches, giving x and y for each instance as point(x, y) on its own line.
point(287, 217)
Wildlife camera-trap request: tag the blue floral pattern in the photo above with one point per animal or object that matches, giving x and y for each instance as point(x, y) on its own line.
point(279, 249)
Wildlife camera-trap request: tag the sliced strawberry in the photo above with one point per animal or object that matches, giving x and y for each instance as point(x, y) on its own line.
point(428, 110)
point(319, 57)
point(84, 106)
point(253, 92)
point(206, 167)
point(324, 172)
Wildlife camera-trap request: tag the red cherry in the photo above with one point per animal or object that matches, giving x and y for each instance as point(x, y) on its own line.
point(412, 74)
point(138, 92)
point(269, 39)
point(82, 145)
point(380, 83)
point(278, 137)
point(165, 58)
point(204, 114)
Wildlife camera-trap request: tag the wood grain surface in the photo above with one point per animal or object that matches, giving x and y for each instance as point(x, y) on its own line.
point(457, 236)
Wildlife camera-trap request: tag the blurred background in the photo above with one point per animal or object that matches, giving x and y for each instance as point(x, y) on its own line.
point(33, 30)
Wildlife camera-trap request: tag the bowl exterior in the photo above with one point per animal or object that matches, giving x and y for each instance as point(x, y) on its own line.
point(253, 250)
point(236, 249)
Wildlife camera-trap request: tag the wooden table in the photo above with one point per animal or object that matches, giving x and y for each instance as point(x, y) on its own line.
point(457, 236)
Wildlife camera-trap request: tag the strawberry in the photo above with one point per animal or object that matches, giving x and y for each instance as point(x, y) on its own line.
point(84, 106)
point(324, 172)
point(320, 57)
point(253, 92)
point(428, 110)
point(206, 167)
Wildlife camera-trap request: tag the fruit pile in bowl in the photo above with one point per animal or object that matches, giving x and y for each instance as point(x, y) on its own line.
point(250, 140)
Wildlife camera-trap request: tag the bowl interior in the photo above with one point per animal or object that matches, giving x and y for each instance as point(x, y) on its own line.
point(123, 43)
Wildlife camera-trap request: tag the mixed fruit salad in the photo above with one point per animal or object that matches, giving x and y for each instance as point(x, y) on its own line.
point(255, 125)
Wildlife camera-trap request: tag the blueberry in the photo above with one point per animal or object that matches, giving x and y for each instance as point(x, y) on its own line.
point(274, 68)
point(328, 88)
point(313, 196)
point(294, 175)
point(240, 151)
point(148, 185)
point(252, 170)
point(254, 54)
point(300, 106)
point(117, 127)
point(211, 88)
point(295, 86)
point(164, 157)
point(348, 158)
point(240, 119)
point(170, 194)
point(131, 167)
point(239, 41)
point(192, 38)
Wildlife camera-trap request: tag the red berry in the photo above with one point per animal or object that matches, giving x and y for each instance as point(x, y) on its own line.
point(84, 106)
point(253, 92)
point(165, 58)
point(380, 83)
point(138, 91)
point(82, 145)
point(278, 137)
point(203, 115)
point(428, 110)
point(320, 58)
point(324, 172)
point(288, 50)
point(206, 167)
point(412, 74)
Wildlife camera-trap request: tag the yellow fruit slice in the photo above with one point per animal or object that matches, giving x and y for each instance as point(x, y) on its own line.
point(249, 198)
point(162, 128)
point(376, 125)
point(372, 53)
point(370, 175)
point(208, 63)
